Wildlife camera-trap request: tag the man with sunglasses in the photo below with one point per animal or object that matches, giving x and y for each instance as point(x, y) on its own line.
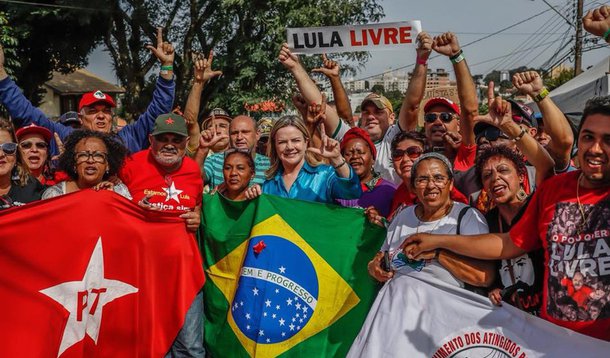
point(163, 178)
point(95, 108)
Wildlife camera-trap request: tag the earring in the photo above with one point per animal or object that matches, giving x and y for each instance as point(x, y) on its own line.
point(521, 194)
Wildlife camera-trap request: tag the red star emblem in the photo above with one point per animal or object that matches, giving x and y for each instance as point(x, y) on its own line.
point(258, 248)
point(169, 121)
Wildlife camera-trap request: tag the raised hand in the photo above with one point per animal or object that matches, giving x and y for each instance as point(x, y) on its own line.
point(499, 110)
point(446, 44)
point(452, 139)
point(209, 138)
point(528, 82)
point(597, 22)
point(424, 46)
point(329, 67)
point(300, 104)
point(329, 148)
point(203, 68)
point(287, 58)
point(316, 113)
point(164, 50)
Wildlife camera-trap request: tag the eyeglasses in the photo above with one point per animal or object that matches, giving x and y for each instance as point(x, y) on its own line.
point(492, 134)
point(98, 157)
point(438, 180)
point(413, 152)
point(28, 145)
point(9, 148)
point(446, 117)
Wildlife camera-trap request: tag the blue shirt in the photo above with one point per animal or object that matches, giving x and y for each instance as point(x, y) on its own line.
point(320, 184)
point(134, 135)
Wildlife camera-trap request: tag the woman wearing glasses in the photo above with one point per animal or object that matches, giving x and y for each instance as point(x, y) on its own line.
point(17, 187)
point(90, 159)
point(406, 148)
point(34, 149)
point(431, 178)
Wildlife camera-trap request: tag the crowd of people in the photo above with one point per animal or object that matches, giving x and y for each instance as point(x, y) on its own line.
point(495, 203)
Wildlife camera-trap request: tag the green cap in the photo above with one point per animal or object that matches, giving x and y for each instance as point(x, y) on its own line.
point(170, 123)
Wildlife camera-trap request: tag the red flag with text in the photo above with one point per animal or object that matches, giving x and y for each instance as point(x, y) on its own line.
point(90, 274)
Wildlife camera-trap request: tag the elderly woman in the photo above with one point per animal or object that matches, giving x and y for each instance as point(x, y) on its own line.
point(502, 172)
point(432, 180)
point(17, 187)
point(238, 170)
point(90, 159)
point(33, 143)
point(360, 153)
point(295, 174)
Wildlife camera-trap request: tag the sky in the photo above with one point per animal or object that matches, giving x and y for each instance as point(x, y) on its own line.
point(532, 41)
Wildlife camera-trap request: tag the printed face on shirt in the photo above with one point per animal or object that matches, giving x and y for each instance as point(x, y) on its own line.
point(375, 120)
point(501, 180)
point(237, 174)
point(594, 150)
point(34, 151)
point(432, 184)
point(7, 161)
point(168, 149)
point(435, 130)
point(91, 161)
point(97, 117)
point(358, 154)
point(404, 163)
point(290, 145)
point(242, 133)
point(521, 269)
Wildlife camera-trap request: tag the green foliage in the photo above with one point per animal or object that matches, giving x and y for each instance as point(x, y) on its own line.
point(245, 36)
point(50, 39)
point(564, 76)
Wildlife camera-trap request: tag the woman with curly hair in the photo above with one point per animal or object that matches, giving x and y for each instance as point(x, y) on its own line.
point(90, 159)
point(17, 187)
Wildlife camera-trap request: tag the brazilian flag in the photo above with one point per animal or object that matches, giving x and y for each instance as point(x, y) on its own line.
point(285, 277)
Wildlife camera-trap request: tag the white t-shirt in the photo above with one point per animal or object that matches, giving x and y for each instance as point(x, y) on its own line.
point(406, 223)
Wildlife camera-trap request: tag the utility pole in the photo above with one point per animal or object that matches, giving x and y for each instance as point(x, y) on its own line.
point(578, 45)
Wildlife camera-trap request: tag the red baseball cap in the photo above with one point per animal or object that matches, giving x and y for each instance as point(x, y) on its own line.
point(442, 101)
point(90, 98)
point(33, 129)
point(358, 133)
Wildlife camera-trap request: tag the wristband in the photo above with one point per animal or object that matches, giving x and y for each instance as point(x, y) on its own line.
point(606, 35)
point(457, 58)
point(340, 165)
point(542, 95)
point(421, 61)
point(165, 69)
point(518, 138)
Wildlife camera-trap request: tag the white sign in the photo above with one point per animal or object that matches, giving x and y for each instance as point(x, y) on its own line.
point(312, 40)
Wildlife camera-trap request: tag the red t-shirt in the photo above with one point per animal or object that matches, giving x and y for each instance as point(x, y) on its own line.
point(553, 221)
point(179, 191)
point(404, 196)
point(465, 157)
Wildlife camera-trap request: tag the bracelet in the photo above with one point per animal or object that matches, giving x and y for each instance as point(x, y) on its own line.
point(542, 95)
point(421, 61)
point(340, 165)
point(458, 57)
point(165, 69)
point(518, 138)
point(606, 35)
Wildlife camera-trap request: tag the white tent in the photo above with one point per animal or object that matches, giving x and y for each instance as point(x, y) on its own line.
point(572, 95)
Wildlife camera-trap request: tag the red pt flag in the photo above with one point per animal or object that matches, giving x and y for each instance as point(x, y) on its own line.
point(92, 275)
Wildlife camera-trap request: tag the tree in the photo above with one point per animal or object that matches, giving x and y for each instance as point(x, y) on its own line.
point(50, 39)
point(245, 36)
point(555, 81)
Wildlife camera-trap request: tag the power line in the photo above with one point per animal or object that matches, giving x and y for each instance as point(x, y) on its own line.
point(33, 4)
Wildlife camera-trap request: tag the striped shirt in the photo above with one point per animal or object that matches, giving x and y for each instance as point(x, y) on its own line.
point(213, 169)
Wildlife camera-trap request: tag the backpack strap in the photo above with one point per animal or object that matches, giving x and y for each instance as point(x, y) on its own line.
point(459, 219)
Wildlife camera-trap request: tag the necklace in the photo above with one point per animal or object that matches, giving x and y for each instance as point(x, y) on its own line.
point(585, 217)
point(419, 221)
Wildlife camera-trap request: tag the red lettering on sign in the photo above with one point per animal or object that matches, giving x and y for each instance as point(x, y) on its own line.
point(81, 302)
point(375, 36)
point(97, 292)
point(405, 34)
point(390, 35)
point(354, 41)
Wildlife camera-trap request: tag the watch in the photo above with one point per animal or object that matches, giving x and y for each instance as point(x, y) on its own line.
point(542, 95)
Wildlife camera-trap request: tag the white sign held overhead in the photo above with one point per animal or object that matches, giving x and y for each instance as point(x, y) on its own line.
point(333, 39)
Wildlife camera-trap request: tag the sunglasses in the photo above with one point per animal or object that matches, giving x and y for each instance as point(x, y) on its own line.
point(413, 152)
point(28, 145)
point(492, 134)
point(446, 117)
point(9, 148)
